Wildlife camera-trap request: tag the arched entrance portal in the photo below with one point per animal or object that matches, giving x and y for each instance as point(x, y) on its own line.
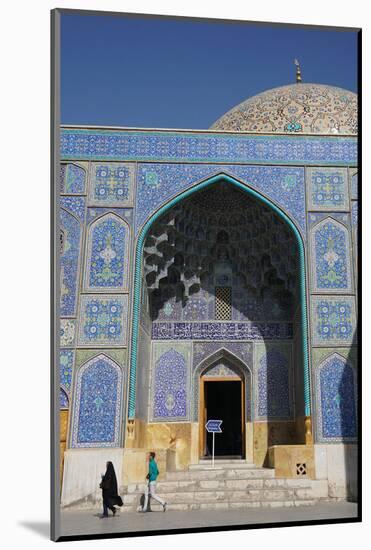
point(224, 384)
point(246, 272)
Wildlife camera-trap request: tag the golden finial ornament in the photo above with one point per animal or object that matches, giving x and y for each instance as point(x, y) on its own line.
point(298, 71)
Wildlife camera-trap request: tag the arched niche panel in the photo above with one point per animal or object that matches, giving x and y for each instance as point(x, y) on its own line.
point(107, 258)
point(336, 390)
point(69, 262)
point(97, 404)
point(170, 384)
point(330, 248)
point(72, 179)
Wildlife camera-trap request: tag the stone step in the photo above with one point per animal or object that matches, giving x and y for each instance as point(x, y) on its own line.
point(221, 473)
point(224, 505)
point(223, 464)
point(222, 484)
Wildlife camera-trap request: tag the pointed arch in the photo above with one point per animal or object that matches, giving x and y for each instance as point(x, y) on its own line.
point(107, 254)
point(138, 279)
point(235, 364)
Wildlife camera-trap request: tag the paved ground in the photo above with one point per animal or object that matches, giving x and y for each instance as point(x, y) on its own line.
point(88, 521)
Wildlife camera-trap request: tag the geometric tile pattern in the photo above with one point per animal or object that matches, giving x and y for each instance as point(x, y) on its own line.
point(159, 182)
point(330, 253)
point(107, 254)
point(170, 381)
point(221, 331)
point(328, 189)
point(205, 146)
point(333, 320)
point(67, 333)
point(73, 179)
point(336, 395)
point(111, 184)
point(97, 404)
point(272, 391)
point(70, 233)
point(103, 321)
point(75, 205)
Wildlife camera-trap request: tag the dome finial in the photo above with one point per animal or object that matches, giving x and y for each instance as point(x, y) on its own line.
point(298, 72)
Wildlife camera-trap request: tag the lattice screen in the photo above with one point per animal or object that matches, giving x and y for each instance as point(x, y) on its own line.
point(223, 303)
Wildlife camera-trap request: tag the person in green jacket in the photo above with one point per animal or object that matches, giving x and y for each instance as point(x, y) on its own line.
point(151, 486)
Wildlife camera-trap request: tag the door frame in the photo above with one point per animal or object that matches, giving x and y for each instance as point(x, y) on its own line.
point(202, 414)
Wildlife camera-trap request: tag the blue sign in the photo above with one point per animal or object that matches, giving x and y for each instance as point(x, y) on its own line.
point(213, 426)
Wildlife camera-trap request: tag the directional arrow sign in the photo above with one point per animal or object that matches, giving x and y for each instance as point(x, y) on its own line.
point(213, 426)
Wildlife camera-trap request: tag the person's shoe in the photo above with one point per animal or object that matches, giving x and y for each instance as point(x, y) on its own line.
point(103, 516)
point(164, 507)
point(114, 510)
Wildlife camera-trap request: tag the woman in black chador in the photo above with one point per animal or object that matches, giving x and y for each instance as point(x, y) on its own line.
point(109, 491)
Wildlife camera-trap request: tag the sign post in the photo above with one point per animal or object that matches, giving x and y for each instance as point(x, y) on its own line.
point(213, 426)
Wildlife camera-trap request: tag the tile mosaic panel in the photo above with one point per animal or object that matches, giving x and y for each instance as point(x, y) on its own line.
point(221, 331)
point(330, 251)
point(327, 189)
point(103, 321)
point(70, 245)
point(333, 320)
point(112, 184)
point(107, 258)
point(67, 333)
point(75, 205)
point(205, 147)
point(157, 183)
point(170, 382)
point(72, 179)
point(273, 366)
point(97, 404)
point(64, 402)
point(336, 396)
point(65, 369)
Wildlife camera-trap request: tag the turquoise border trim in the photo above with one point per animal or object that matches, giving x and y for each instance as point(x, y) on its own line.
point(137, 282)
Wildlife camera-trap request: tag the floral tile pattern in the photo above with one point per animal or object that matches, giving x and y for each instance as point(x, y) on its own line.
point(176, 146)
point(159, 182)
point(103, 321)
point(333, 320)
point(170, 389)
point(70, 245)
point(111, 184)
point(67, 333)
point(273, 386)
point(328, 189)
point(72, 179)
point(107, 254)
point(97, 404)
point(331, 256)
point(65, 376)
point(336, 399)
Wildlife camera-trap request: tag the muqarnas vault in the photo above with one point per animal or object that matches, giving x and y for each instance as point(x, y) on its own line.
point(212, 274)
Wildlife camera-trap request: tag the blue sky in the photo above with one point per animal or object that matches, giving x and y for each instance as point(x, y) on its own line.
point(137, 72)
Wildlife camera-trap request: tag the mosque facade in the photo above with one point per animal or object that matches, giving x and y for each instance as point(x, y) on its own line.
point(212, 274)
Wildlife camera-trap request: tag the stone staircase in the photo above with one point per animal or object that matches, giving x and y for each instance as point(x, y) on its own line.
point(230, 485)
